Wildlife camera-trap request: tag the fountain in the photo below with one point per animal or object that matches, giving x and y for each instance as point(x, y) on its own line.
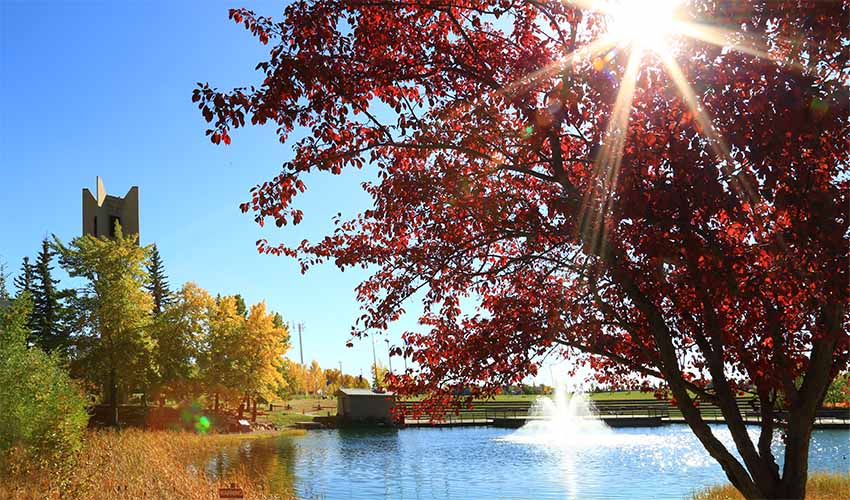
point(566, 419)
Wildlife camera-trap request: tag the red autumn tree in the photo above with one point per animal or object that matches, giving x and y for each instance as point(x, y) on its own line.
point(656, 193)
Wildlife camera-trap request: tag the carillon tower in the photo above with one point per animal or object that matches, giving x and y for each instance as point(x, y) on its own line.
point(100, 214)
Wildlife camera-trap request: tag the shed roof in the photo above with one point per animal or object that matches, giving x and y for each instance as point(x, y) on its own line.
point(363, 392)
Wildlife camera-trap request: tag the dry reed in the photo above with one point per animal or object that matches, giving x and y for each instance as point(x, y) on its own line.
point(135, 464)
point(821, 486)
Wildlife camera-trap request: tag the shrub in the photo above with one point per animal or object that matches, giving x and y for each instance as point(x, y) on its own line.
point(42, 411)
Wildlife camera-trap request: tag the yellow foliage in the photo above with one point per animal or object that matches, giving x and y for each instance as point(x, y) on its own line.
point(263, 346)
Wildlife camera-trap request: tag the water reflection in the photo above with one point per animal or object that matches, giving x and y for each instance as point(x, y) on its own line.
point(271, 461)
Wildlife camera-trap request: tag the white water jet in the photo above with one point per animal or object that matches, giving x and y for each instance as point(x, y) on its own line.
point(567, 419)
point(568, 422)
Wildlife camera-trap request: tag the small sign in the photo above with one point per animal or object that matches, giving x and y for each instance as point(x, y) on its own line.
point(231, 492)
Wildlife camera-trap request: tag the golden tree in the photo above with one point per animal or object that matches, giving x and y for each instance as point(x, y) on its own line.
point(179, 331)
point(220, 356)
point(261, 354)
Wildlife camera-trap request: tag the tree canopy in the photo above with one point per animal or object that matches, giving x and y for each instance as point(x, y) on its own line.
point(675, 210)
point(114, 345)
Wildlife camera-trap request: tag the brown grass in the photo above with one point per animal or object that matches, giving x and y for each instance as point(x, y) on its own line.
point(821, 486)
point(139, 464)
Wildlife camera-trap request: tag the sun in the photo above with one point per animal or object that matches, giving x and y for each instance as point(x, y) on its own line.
point(646, 24)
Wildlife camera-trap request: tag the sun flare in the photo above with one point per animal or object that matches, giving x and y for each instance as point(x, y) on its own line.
point(647, 24)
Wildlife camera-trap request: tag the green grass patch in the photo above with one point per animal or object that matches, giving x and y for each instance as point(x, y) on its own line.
point(600, 396)
point(595, 396)
point(284, 419)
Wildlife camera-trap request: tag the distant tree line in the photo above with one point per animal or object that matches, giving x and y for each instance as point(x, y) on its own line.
point(314, 380)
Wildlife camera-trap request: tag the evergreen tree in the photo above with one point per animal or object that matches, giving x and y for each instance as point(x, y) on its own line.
point(4, 292)
point(24, 281)
point(241, 307)
point(158, 282)
point(47, 332)
point(277, 318)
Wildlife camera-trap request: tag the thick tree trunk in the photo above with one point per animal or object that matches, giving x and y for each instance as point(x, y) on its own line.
point(254, 411)
point(796, 469)
point(215, 407)
point(801, 418)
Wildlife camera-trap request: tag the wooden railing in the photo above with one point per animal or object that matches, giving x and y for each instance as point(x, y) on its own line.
point(603, 408)
point(486, 410)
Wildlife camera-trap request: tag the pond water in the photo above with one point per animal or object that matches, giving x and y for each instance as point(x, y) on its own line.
point(487, 462)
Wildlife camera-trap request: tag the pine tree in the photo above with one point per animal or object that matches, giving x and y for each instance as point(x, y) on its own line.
point(158, 285)
point(277, 318)
point(46, 311)
point(241, 307)
point(24, 281)
point(4, 292)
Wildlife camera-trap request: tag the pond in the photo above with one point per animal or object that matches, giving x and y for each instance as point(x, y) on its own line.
point(487, 462)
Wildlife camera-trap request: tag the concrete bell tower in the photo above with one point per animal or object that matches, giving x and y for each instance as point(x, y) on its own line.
point(100, 214)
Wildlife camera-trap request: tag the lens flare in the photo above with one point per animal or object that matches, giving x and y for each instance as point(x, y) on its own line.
point(647, 24)
point(202, 426)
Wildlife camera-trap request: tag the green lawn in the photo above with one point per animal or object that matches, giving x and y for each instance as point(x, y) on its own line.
point(622, 395)
point(593, 396)
point(289, 419)
point(300, 409)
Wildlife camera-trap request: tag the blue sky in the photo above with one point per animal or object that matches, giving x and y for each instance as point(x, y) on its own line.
point(104, 88)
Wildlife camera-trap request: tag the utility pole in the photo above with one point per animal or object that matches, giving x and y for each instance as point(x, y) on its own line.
point(552, 377)
point(300, 327)
point(404, 355)
point(374, 364)
point(300, 346)
point(389, 357)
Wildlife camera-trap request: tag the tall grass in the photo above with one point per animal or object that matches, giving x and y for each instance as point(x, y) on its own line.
point(135, 464)
point(821, 486)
